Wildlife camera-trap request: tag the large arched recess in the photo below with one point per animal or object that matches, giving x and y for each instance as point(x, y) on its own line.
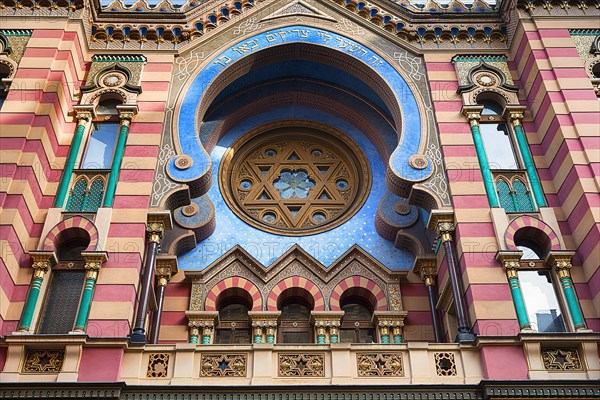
point(407, 165)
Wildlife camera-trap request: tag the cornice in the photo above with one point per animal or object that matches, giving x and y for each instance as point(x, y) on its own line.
point(486, 389)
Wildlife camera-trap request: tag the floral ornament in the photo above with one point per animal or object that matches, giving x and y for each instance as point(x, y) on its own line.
point(294, 184)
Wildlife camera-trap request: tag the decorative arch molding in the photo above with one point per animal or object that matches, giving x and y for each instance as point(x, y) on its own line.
point(359, 286)
point(237, 284)
point(407, 164)
point(296, 269)
point(485, 76)
point(71, 227)
point(547, 234)
point(300, 286)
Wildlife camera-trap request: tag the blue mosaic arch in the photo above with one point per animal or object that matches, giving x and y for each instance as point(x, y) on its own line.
point(186, 129)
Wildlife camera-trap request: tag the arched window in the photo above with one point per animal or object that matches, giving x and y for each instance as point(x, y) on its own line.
point(103, 137)
point(66, 284)
point(496, 138)
point(357, 325)
point(499, 146)
point(233, 326)
point(542, 303)
point(295, 321)
point(514, 197)
point(86, 196)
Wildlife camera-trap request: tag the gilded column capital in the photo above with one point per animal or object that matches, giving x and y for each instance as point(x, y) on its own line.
point(156, 225)
point(561, 262)
point(42, 261)
point(127, 112)
point(510, 261)
point(166, 267)
point(264, 319)
point(442, 221)
point(473, 113)
point(201, 319)
point(515, 114)
point(389, 319)
point(326, 319)
point(426, 268)
point(84, 113)
point(93, 262)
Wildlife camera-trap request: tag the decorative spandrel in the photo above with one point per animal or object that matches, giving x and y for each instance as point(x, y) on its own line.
point(295, 179)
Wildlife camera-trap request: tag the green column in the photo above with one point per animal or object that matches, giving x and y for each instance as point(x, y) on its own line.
point(536, 187)
point(271, 334)
point(193, 335)
point(333, 335)
point(32, 296)
point(115, 168)
point(86, 300)
point(63, 186)
point(257, 334)
point(488, 180)
point(571, 298)
point(397, 334)
point(517, 296)
point(206, 333)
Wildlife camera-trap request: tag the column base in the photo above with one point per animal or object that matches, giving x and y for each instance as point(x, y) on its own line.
point(465, 336)
point(137, 337)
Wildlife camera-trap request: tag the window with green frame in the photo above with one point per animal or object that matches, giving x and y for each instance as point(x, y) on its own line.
point(86, 195)
point(514, 197)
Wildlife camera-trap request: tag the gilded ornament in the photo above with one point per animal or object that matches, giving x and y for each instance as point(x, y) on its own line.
point(222, 365)
point(158, 365)
point(380, 364)
point(445, 365)
point(43, 361)
point(307, 365)
point(561, 359)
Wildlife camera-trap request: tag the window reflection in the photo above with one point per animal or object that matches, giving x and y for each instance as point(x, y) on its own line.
point(490, 107)
point(356, 323)
point(498, 146)
point(541, 301)
point(233, 327)
point(101, 146)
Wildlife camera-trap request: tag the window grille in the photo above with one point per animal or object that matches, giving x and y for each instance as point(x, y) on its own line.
point(62, 302)
point(77, 197)
point(513, 193)
point(522, 197)
point(505, 196)
point(86, 196)
point(94, 196)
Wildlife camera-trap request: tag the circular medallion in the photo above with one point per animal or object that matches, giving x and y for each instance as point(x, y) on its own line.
point(113, 79)
point(295, 178)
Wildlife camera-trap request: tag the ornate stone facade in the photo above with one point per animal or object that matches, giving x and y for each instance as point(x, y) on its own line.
point(299, 199)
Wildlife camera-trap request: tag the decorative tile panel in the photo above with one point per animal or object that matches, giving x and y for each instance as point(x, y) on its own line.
point(223, 365)
point(561, 359)
point(310, 365)
point(158, 365)
point(445, 364)
point(380, 364)
point(43, 361)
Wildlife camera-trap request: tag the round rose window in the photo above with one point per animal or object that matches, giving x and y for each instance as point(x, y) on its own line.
point(295, 178)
